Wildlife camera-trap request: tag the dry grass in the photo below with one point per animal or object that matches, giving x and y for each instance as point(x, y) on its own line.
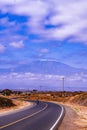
point(5, 102)
point(16, 105)
point(78, 105)
point(80, 99)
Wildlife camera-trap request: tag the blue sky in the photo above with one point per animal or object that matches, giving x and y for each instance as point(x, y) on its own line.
point(54, 30)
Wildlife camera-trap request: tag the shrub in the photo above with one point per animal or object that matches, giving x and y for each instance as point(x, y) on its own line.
point(6, 92)
point(5, 102)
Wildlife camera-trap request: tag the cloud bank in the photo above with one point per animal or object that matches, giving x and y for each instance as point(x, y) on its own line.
point(48, 82)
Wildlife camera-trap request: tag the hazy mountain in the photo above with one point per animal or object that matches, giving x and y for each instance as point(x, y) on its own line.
point(45, 67)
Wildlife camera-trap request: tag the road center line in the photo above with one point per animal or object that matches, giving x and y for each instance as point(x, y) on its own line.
point(24, 117)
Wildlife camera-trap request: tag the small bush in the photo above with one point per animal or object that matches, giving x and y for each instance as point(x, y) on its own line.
point(5, 102)
point(6, 92)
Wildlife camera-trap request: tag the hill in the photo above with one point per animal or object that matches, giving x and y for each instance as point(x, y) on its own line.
point(80, 99)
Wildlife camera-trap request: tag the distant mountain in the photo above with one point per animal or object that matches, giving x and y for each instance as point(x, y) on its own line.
point(45, 67)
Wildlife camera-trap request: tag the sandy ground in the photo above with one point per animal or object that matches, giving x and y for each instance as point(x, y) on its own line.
point(20, 105)
point(75, 117)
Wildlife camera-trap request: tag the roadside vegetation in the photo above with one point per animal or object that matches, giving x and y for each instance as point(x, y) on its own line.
point(80, 99)
point(72, 97)
point(5, 102)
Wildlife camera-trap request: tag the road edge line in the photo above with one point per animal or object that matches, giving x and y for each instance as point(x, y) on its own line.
point(59, 120)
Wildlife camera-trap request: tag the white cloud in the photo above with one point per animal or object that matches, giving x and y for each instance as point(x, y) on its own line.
point(68, 16)
point(10, 2)
point(52, 60)
point(17, 44)
point(2, 48)
point(44, 50)
point(73, 19)
point(27, 79)
point(46, 77)
point(77, 77)
point(31, 76)
point(5, 22)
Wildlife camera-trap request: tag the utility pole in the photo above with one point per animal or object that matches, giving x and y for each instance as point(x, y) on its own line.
point(40, 88)
point(63, 86)
point(63, 83)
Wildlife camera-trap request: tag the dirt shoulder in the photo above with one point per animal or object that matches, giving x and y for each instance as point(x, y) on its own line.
point(19, 105)
point(75, 117)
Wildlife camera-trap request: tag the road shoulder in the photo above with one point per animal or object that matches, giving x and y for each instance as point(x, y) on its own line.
point(73, 119)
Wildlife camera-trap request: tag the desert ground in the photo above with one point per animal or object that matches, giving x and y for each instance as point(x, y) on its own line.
point(75, 104)
point(75, 117)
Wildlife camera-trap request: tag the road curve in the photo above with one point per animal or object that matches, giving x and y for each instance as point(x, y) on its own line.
point(44, 116)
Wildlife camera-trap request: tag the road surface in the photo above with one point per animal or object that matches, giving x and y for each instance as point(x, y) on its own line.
point(44, 116)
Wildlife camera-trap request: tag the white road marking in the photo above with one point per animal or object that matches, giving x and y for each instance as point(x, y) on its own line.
point(52, 128)
point(1, 127)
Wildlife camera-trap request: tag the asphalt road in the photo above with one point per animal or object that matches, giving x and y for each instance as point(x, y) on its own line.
point(43, 116)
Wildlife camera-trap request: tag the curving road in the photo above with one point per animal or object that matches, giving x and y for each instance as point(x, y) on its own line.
point(44, 116)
